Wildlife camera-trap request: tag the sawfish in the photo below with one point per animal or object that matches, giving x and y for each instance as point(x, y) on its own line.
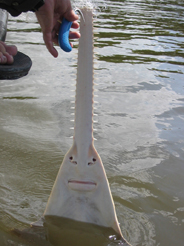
point(81, 191)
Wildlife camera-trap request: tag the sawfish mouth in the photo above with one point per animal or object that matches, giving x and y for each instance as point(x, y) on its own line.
point(81, 185)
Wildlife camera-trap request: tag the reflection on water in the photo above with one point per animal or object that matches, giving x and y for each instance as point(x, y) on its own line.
point(140, 74)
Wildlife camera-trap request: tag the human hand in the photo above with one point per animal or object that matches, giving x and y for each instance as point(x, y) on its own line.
point(49, 16)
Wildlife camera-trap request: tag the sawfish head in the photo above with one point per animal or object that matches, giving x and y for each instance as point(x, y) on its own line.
point(81, 191)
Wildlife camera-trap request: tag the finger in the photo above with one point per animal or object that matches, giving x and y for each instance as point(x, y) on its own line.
point(49, 44)
point(74, 35)
point(75, 25)
point(71, 15)
point(9, 58)
point(3, 59)
point(55, 40)
point(11, 49)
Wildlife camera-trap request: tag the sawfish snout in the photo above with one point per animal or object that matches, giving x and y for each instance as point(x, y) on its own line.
point(80, 185)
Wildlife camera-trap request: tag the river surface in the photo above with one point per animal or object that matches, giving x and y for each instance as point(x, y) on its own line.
point(139, 72)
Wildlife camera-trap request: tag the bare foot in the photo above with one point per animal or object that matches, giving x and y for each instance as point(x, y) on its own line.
point(6, 53)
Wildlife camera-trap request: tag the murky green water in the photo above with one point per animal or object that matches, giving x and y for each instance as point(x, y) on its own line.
point(139, 130)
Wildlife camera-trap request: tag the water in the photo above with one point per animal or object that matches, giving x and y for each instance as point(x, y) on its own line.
point(139, 130)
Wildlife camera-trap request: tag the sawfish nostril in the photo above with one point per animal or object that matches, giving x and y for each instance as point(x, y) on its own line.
point(71, 160)
point(90, 163)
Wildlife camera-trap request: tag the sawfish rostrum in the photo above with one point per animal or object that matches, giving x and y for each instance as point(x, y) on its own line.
point(81, 190)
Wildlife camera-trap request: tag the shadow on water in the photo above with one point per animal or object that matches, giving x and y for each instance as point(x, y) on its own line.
point(56, 230)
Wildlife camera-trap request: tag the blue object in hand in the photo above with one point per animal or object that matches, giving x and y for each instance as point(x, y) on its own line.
point(63, 37)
